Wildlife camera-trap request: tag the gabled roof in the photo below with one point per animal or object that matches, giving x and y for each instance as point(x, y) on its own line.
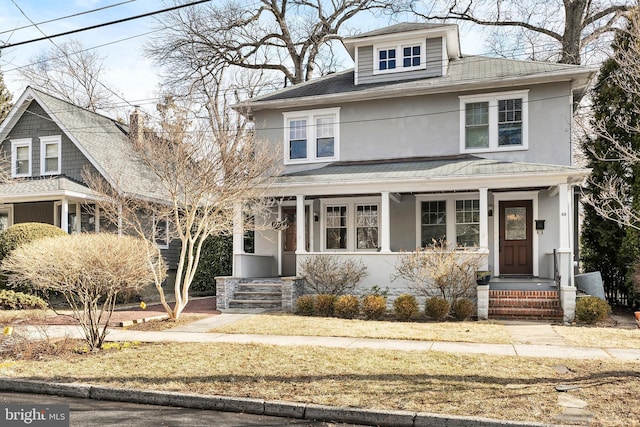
point(455, 173)
point(402, 27)
point(102, 140)
point(464, 74)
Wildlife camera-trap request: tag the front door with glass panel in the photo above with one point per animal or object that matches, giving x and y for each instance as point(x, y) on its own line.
point(289, 236)
point(516, 237)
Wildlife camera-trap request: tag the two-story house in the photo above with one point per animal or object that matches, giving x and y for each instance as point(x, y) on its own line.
point(419, 142)
point(49, 145)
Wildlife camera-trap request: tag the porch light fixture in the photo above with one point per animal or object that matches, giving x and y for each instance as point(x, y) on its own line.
point(490, 211)
point(539, 225)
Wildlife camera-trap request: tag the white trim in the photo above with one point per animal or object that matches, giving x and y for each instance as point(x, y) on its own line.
point(49, 140)
point(492, 99)
point(398, 46)
point(445, 57)
point(8, 209)
point(350, 203)
point(515, 195)
point(450, 199)
point(311, 116)
point(20, 143)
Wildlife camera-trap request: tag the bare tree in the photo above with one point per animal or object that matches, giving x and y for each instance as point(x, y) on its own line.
point(71, 72)
point(5, 99)
point(90, 270)
point(202, 175)
point(286, 37)
point(552, 30)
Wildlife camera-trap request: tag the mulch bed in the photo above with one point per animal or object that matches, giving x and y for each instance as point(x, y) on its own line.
point(202, 306)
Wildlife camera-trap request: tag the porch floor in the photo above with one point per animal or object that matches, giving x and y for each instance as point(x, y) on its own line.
point(522, 283)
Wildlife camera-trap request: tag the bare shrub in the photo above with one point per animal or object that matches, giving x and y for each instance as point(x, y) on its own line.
point(374, 307)
point(332, 275)
point(347, 306)
point(325, 305)
point(462, 309)
point(437, 308)
point(305, 305)
point(405, 307)
point(439, 271)
point(90, 270)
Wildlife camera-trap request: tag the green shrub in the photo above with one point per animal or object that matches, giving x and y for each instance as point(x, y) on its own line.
point(325, 304)
point(592, 309)
point(347, 306)
point(406, 307)
point(463, 309)
point(26, 232)
point(216, 259)
point(304, 305)
point(11, 300)
point(437, 308)
point(374, 307)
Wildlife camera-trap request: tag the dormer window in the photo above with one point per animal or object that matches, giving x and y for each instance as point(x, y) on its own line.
point(20, 157)
point(311, 136)
point(404, 56)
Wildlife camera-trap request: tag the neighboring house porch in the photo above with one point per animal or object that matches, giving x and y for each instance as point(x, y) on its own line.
point(515, 214)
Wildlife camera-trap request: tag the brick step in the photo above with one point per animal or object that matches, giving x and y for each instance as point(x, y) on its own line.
point(525, 313)
point(266, 304)
point(524, 303)
point(517, 294)
point(253, 296)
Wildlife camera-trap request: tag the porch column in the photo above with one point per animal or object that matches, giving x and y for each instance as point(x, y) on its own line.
point(385, 223)
point(64, 215)
point(238, 239)
point(484, 226)
point(564, 240)
point(300, 225)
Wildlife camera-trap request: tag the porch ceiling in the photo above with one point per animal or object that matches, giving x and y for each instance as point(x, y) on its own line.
point(435, 174)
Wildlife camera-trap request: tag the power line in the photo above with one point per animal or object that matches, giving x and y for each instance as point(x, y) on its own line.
point(92, 27)
point(68, 16)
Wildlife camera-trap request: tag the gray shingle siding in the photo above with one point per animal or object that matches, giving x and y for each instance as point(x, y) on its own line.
point(366, 65)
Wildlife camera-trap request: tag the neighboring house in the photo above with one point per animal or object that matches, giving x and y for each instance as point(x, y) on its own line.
point(420, 142)
point(50, 143)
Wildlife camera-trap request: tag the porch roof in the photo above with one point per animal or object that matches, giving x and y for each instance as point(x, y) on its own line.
point(44, 188)
point(426, 174)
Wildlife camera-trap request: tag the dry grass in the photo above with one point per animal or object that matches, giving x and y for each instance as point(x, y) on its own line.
point(164, 324)
point(600, 337)
point(8, 317)
point(514, 388)
point(284, 324)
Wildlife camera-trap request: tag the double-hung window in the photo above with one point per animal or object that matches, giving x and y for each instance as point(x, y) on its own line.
point(406, 55)
point(21, 157)
point(433, 214)
point(351, 224)
point(366, 226)
point(336, 227)
point(468, 222)
point(312, 136)
point(494, 122)
point(454, 219)
point(50, 149)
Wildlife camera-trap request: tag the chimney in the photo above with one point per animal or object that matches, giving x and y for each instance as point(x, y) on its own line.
point(136, 126)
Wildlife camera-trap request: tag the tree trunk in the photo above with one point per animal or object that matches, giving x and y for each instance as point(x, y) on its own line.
point(574, 15)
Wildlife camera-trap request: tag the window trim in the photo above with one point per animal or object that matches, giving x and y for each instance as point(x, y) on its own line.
point(398, 46)
point(44, 141)
point(312, 141)
point(492, 99)
point(450, 200)
point(351, 204)
point(18, 143)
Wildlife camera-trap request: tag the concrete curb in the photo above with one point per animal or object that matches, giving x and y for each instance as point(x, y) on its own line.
point(305, 411)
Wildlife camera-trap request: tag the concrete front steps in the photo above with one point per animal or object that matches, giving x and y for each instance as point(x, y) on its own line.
point(257, 294)
point(518, 304)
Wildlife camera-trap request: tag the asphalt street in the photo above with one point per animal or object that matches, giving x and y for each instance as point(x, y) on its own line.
point(89, 412)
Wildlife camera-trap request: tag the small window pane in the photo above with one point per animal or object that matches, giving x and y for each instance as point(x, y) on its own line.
point(298, 149)
point(387, 59)
point(51, 165)
point(515, 223)
point(51, 150)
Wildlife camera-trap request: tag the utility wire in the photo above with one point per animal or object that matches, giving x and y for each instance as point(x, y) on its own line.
point(104, 24)
point(68, 16)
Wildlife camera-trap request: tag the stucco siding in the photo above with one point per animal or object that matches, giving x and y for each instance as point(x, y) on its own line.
point(433, 66)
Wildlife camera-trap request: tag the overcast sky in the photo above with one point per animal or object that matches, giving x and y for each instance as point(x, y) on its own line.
point(128, 72)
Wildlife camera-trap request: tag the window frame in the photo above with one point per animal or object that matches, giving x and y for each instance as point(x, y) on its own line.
point(351, 205)
point(19, 143)
point(493, 100)
point(450, 200)
point(311, 117)
point(399, 48)
point(49, 140)
point(156, 237)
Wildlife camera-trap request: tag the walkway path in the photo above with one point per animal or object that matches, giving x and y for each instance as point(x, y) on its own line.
point(529, 339)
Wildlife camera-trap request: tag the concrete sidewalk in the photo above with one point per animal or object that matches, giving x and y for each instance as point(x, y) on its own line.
point(530, 339)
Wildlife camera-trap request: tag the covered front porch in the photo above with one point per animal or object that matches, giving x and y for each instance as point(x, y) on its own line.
point(516, 221)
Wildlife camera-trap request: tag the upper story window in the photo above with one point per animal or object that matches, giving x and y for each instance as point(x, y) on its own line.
point(404, 56)
point(50, 148)
point(21, 157)
point(494, 122)
point(311, 136)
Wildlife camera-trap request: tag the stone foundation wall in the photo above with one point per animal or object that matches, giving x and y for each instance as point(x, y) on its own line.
point(225, 288)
